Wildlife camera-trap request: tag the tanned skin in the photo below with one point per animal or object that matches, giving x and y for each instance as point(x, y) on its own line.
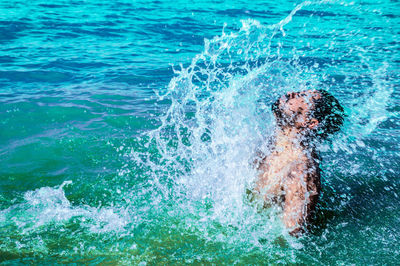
point(290, 174)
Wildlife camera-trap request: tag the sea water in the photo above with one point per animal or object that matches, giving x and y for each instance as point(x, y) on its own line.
point(129, 130)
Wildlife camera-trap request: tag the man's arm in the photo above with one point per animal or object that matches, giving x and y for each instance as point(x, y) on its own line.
point(301, 193)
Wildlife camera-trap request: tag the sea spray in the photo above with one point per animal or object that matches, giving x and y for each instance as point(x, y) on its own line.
point(219, 118)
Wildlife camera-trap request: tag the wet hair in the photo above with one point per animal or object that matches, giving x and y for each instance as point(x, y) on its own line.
point(329, 113)
point(278, 112)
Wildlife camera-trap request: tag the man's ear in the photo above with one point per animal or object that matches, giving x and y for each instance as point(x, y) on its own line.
point(313, 123)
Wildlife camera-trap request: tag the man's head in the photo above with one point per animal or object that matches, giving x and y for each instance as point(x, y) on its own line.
point(314, 112)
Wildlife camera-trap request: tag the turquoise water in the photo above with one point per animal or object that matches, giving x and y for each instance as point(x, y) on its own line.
point(128, 130)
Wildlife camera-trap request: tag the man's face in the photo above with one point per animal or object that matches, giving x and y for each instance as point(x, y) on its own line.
point(294, 109)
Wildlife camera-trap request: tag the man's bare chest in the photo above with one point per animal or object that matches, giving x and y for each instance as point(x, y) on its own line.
point(278, 169)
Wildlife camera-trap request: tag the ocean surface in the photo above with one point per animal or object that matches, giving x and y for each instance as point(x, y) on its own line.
point(128, 130)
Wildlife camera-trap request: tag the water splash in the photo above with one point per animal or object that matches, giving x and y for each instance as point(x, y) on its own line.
point(219, 117)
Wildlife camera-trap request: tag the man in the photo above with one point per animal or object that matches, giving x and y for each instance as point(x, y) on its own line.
point(290, 174)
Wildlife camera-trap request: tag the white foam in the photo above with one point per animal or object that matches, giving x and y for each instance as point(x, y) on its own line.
point(50, 205)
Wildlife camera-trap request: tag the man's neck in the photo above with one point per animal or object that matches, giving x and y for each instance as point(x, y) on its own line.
point(289, 140)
